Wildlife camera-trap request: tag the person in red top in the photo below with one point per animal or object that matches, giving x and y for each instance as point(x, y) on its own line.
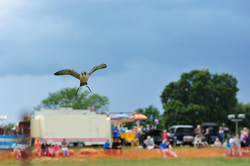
point(164, 134)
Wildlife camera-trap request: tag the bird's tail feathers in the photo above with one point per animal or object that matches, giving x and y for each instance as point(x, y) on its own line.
point(89, 89)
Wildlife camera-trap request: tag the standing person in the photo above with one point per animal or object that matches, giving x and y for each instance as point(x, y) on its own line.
point(164, 134)
point(65, 148)
point(245, 131)
point(16, 131)
point(242, 136)
point(16, 149)
point(208, 136)
point(140, 130)
point(147, 128)
point(115, 132)
point(221, 135)
point(236, 146)
point(56, 149)
point(23, 130)
point(121, 131)
point(247, 143)
point(38, 145)
point(197, 131)
point(140, 133)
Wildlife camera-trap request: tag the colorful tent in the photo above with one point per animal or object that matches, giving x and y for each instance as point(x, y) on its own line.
point(138, 117)
point(6, 142)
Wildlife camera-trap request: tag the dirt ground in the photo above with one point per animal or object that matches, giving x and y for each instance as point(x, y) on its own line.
point(97, 154)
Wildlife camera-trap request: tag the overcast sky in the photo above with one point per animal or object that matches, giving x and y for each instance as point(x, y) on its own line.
point(146, 45)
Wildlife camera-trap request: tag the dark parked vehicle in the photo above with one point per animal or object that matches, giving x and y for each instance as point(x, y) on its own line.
point(154, 133)
point(183, 134)
point(213, 130)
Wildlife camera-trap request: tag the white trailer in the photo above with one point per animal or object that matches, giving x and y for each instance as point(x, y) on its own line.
point(78, 127)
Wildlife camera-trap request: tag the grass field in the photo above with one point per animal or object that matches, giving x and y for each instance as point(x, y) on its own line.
point(142, 162)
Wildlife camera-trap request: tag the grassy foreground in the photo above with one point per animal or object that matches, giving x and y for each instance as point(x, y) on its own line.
point(143, 162)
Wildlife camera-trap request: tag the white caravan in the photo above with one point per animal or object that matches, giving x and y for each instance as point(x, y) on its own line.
point(78, 127)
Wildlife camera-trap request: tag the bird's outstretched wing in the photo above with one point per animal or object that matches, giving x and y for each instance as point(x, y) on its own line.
point(68, 72)
point(97, 67)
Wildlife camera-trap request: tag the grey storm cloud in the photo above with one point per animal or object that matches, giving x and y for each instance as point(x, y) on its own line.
point(146, 45)
point(42, 37)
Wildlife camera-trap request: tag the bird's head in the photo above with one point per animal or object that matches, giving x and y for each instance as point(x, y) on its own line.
point(83, 73)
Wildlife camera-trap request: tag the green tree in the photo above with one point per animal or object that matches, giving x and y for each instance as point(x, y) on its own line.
point(152, 113)
point(199, 97)
point(177, 114)
point(8, 127)
point(66, 98)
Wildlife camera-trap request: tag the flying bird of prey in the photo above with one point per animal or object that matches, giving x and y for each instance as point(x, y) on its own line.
point(83, 77)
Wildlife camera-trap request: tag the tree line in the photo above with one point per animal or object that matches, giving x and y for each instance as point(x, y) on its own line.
point(197, 97)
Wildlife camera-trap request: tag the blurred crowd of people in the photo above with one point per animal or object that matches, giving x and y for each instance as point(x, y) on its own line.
point(41, 148)
point(50, 149)
point(147, 143)
point(234, 145)
point(22, 130)
point(202, 139)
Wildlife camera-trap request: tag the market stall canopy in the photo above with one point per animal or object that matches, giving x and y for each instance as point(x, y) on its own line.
point(123, 120)
point(138, 116)
point(119, 116)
